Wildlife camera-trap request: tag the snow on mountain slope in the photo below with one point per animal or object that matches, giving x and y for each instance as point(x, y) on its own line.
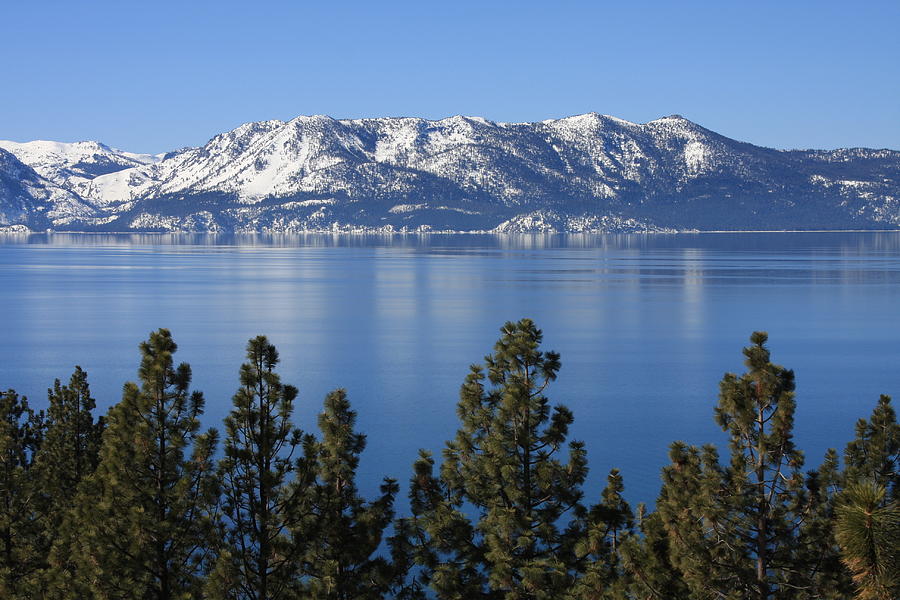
point(74, 165)
point(27, 198)
point(274, 158)
point(587, 172)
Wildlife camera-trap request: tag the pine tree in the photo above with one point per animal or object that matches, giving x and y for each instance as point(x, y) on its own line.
point(71, 448)
point(141, 521)
point(258, 560)
point(734, 529)
point(868, 530)
point(817, 551)
point(489, 524)
point(606, 526)
point(693, 506)
point(867, 523)
point(875, 453)
point(340, 562)
point(21, 433)
point(69, 453)
point(645, 560)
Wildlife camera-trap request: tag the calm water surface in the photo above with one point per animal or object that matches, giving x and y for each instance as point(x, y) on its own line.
point(646, 326)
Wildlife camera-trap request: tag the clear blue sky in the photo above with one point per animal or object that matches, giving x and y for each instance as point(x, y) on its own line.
point(154, 76)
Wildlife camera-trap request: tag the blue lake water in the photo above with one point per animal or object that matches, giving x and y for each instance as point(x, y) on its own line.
point(646, 326)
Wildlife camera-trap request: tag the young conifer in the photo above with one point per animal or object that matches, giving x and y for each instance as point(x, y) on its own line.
point(606, 526)
point(817, 551)
point(489, 525)
point(141, 521)
point(70, 452)
point(71, 448)
point(21, 433)
point(344, 531)
point(257, 559)
point(875, 453)
point(734, 528)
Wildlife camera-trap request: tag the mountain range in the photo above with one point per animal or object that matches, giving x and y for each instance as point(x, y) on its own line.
point(587, 173)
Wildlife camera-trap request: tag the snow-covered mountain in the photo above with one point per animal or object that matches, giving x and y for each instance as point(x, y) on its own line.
point(70, 164)
point(29, 201)
point(585, 173)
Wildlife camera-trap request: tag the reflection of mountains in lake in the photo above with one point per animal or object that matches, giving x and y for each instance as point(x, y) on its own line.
point(849, 244)
point(646, 325)
point(589, 173)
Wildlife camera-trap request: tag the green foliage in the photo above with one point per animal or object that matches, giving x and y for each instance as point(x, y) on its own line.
point(602, 530)
point(141, 521)
point(71, 447)
point(69, 453)
point(868, 516)
point(21, 433)
point(488, 525)
point(132, 507)
point(257, 559)
point(343, 532)
point(816, 551)
point(295, 526)
point(875, 453)
point(868, 530)
point(645, 559)
point(736, 531)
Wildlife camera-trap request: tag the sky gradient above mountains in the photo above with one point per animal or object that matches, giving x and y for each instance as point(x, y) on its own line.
point(152, 77)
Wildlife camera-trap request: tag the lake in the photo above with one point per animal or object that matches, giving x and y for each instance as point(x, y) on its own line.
point(646, 326)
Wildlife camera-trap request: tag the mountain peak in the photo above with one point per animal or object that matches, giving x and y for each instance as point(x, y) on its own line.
point(313, 119)
point(61, 162)
point(588, 172)
point(676, 118)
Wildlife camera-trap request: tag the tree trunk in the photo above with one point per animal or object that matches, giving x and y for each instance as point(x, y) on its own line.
point(762, 508)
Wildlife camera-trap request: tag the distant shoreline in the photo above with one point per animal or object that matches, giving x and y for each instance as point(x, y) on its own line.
point(442, 232)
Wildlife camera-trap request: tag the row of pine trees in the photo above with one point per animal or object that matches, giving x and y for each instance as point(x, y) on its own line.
point(141, 504)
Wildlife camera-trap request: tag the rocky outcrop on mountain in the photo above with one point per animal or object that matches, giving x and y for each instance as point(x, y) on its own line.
point(585, 173)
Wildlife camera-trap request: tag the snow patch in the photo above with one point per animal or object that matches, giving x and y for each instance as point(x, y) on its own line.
point(405, 208)
point(696, 156)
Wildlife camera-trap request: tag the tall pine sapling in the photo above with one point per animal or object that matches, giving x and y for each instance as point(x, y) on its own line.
point(70, 453)
point(71, 448)
point(734, 529)
point(817, 552)
point(21, 433)
point(340, 561)
point(490, 524)
point(875, 453)
point(257, 558)
point(141, 523)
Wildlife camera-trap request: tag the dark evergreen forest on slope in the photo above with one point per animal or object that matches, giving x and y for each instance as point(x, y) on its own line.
point(142, 504)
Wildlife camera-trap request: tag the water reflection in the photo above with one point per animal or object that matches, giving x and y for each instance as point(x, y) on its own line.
point(646, 325)
point(830, 243)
